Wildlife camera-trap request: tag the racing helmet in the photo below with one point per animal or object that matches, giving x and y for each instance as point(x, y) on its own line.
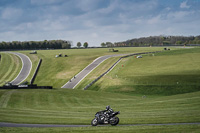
point(108, 107)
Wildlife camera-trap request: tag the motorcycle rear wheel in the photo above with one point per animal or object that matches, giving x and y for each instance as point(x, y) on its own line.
point(94, 122)
point(114, 121)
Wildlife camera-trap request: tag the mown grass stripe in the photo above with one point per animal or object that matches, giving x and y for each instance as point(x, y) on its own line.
point(5, 98)
point(17, 67)
point(7, 65)
point(85, 104)
point(10, 66)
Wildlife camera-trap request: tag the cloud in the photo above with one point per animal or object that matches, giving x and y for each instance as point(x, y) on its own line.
point(96, 21)
point(88, 5)
point(154, 20)
point(184, 5)
point(181, 16)
point(45, 2)
point(11, 13)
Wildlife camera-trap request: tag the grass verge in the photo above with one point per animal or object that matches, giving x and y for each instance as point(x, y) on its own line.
point(10, 65)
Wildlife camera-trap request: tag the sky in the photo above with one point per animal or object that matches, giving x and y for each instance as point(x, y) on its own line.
point(97, 21)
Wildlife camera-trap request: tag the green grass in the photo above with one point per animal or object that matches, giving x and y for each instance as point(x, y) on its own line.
point(78, 107)
point(108, 129)
point(151, 76)
point(10, 66)
point(169, 72)
point(57, 71)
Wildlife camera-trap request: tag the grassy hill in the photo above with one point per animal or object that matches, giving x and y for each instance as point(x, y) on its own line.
point(10, 66)
point(65, 106)
point(166, 73)
point(57, 71)
point(125, 92)
point(78, 107)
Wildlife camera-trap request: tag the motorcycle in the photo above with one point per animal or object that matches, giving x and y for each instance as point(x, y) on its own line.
point(107, 116)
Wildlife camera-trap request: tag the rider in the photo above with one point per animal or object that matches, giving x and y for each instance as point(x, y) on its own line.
point(109, 110)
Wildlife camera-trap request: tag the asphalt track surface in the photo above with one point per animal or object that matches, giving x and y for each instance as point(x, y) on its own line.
point(80, 76)
point(25, 70)
point(4, 124)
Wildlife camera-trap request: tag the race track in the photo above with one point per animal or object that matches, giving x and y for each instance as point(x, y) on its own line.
point(80, 76)
point(25, 70)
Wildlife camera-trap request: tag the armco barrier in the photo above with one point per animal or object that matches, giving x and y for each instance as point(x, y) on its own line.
point(33, 86)
point(90, 84)
point(36, 71)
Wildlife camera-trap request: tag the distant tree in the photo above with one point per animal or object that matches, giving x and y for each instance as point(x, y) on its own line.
point(103, 44)
point(66, 46)
point(85, 45)
point(79, 44)
point(135, 44)
point(165, 43)
point(162, 39)
point(109, 44)
point(178, 42)
point(198, 42)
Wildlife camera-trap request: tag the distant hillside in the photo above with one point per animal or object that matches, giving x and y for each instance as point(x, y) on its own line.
point(160, 41)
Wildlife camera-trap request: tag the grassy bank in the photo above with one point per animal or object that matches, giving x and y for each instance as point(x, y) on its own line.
point(10, 66)
point(167, 73)
point(78, 107)
point(169, 81)
point(57, 71)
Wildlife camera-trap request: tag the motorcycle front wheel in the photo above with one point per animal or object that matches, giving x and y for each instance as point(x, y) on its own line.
point(114, 121)
point(94, 122)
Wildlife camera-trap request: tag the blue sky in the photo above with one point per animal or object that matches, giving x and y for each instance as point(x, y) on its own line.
point(96, 21)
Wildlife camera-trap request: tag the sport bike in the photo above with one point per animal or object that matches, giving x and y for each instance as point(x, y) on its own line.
point(107, 116)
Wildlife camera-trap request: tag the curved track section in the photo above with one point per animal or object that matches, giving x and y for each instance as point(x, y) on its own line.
point(26, 68)
point(4, 124)
point(80, 76)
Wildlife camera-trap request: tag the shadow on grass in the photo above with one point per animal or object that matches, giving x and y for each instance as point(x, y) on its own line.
point(150, 89)
point(165, 89)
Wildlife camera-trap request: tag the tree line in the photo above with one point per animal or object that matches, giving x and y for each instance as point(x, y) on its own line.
point(85, 45)
point(155, 41)
point(46, 44)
